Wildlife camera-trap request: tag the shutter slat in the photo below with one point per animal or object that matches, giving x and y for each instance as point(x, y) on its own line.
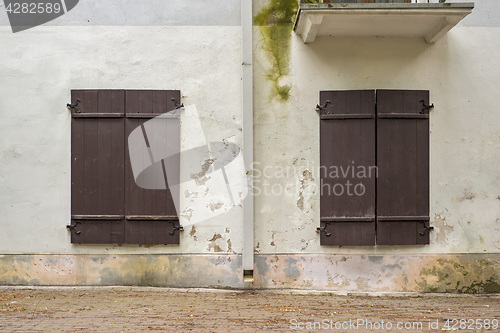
point(150, 232)
point(347, 116)
point(98, 232)
point(150, 101)
point(97, 115)
point(150, 115)
point(152, 217)
point(348, 219)
point(404, 115)
point(97, 217)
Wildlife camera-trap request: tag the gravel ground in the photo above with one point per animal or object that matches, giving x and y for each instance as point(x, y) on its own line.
point(135, 309)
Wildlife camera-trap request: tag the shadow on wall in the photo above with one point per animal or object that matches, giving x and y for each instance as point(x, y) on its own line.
point(356, 63)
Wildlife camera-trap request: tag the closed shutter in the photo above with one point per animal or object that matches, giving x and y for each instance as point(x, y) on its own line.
point(150, 213)
point(97, 173)
point(403, 167)
point(107, 205)
point(347, 148)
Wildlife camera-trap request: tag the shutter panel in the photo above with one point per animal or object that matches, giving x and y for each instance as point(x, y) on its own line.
point(347, 144)
point(97, 173)
point(150, 213)
point(403, 167)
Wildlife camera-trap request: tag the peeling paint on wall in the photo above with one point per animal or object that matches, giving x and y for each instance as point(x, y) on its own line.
point(454, 273)
point(441, 228)
point(212, 246)
point(304, 189)
point(192, 233)
point(215, 205)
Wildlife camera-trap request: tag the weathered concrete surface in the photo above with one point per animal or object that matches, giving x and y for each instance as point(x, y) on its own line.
point(125, 309)
point(138, 270)
point(464, 273)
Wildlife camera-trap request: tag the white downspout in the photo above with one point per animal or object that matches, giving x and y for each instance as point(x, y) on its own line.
point(247, 127)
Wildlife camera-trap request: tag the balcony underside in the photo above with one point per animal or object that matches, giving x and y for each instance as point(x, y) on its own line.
point(429, 21)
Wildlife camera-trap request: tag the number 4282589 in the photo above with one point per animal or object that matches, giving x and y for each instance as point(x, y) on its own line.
point(33, 8)
point(471, 324)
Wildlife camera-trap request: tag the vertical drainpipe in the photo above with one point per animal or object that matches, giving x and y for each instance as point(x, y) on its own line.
point(247, 127)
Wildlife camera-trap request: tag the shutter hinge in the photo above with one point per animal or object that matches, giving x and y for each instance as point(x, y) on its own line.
point(177, 106)
point(175, 227)
point(428, 228)
point(73, 227)
point(323, 229)
point(74, 106)
point(322, 107)
point(426, 107)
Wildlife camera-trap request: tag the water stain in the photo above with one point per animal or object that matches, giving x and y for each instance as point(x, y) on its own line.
point(275, 22)
point(292, 270)
point(468, 195)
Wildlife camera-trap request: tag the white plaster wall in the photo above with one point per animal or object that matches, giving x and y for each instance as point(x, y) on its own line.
point(38, 69)
point(462, 73)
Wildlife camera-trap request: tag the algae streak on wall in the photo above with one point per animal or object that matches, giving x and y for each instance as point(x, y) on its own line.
point(275, 22)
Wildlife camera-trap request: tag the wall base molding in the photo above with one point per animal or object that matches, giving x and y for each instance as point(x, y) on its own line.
point(457, 273)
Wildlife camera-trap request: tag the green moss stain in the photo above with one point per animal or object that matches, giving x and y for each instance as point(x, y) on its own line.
point(275, 23)
point(478, 276)
point(487, 286)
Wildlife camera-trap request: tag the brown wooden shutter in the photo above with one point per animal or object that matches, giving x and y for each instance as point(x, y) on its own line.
point(97, 173)
point(347, 140)
point(106, 204)
point(403, 167)
point(150, 214)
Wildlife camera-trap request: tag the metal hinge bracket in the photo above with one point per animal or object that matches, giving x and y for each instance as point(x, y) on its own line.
point(428, 228)
point(74, 106)
point(323, 229)
point(175, 227)
point(426, 107)
point(73, 227)
point(322, 107)
point(177, 106)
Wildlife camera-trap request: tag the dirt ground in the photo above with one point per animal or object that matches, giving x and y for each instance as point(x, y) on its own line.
point(131, 309)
